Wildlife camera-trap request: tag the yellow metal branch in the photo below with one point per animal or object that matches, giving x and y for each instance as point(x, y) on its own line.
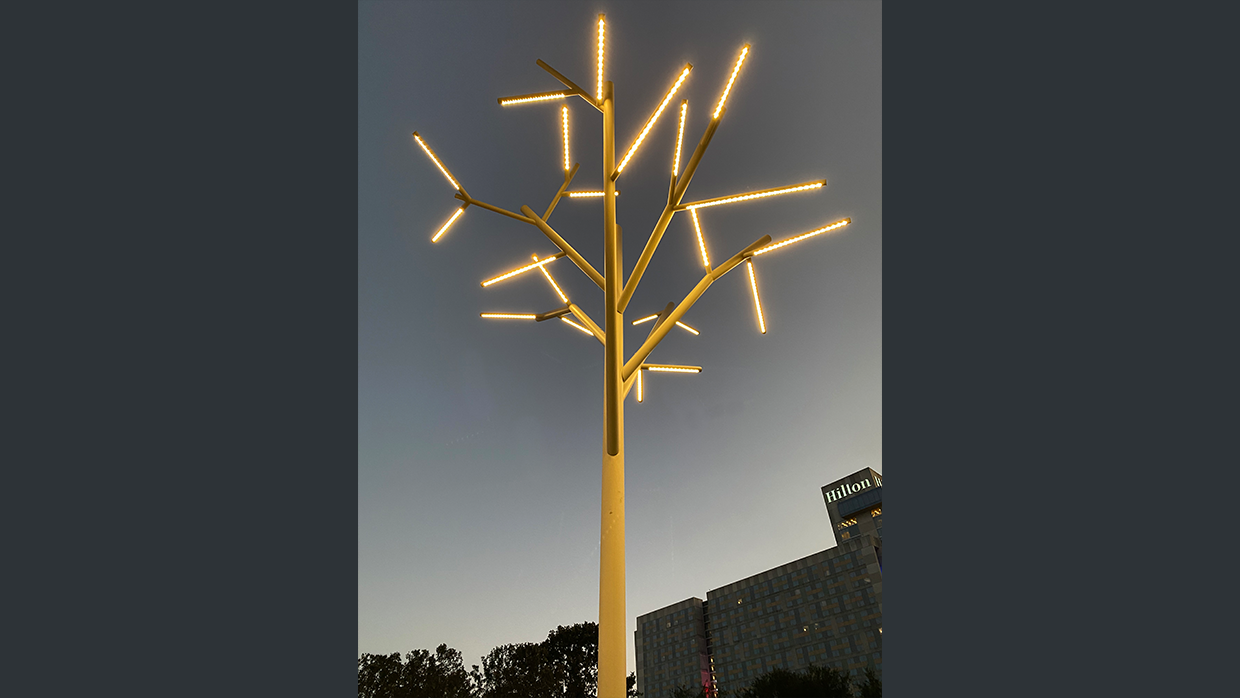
point(590, 324)
point(570, 85)
point(567, 248)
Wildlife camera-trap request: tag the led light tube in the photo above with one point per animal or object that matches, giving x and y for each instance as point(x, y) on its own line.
point(577, 326)
point(525, 268)
point(673, 369)
point(740, 59)
point(755, 195)
point(551, 281)
point(701, 244)
point(510, 316)
point(639, 385)
point(645, 319)
point(564, 115)
point(435, 160)
point(586, 194)
point(798, 238)
point(680, 135)
point(654, 117)
point(681, 324)
point(532, 98)
point(753, 283)
point(456, 215)
point(599, 89)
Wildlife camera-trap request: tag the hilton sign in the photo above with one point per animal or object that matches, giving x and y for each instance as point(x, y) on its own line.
point(847, 489)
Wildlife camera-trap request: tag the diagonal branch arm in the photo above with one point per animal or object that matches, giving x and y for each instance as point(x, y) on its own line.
point(568, 249)
point(568, 178)
point(667, 310)
point(678, 193)
point(656, 336)
point(570, 85)
point(469, 200)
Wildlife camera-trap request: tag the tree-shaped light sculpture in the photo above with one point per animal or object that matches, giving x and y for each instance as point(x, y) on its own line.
point(621, 375)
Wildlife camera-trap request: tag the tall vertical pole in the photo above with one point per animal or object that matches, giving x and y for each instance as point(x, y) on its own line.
point(612, 657)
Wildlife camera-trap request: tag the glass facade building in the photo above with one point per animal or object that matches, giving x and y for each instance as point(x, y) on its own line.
point(824, 609)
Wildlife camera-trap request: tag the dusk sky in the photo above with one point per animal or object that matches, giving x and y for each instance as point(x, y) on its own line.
point(479, 441)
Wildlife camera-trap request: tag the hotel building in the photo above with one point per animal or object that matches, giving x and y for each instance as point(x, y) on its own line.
point(824, 609)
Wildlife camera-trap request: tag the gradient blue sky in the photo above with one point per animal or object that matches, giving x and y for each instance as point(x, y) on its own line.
point(479, 441)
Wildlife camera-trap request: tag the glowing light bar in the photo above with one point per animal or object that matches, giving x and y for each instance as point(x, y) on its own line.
point(654, 117)
point(577, 326)
point(509, 316)
point(523, 269)
point(639, 386)
point(701, 244)
point(681, 324)
point(586, 194)
point(753, 283)
point(726, 90)
point(680, 136)
point(532, 98)
point(645, 319)
point(435, 160)
point(564, 114)
point(673, 369)
point(551, 281)
point(833, 226)
point(599, 89)
point(456, 215)
point(755, 195)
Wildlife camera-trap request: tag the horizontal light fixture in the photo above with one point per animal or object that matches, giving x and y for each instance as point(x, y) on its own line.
point(672, 369)
point(435, 160)
point(577, 326)
point(509, 316)
point(654, 117)
point(826, 229)
point(645, 319)
point(523, 269)
point(455, 215)
point(739, 60)
point(755, 195)
point(587, 194)
point(542, 97)
point(684, 326)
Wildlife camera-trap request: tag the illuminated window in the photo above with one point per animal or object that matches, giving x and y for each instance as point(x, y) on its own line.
point(846, 523)
point(877, 512)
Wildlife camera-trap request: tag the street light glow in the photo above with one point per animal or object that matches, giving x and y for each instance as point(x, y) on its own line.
point(523, 269)
point(456, 215)
point(740, 59)
point(701, 245)
point(509, 316)
point(654, 117)
point(757, 304)
point(798, 238)
point(435, 160)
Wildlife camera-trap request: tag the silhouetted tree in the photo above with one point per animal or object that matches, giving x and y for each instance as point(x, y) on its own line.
point(441, 675)
point(573, 652)
point(813, 682)
point(872, 687)
point(630, 685)
point(379, 676)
